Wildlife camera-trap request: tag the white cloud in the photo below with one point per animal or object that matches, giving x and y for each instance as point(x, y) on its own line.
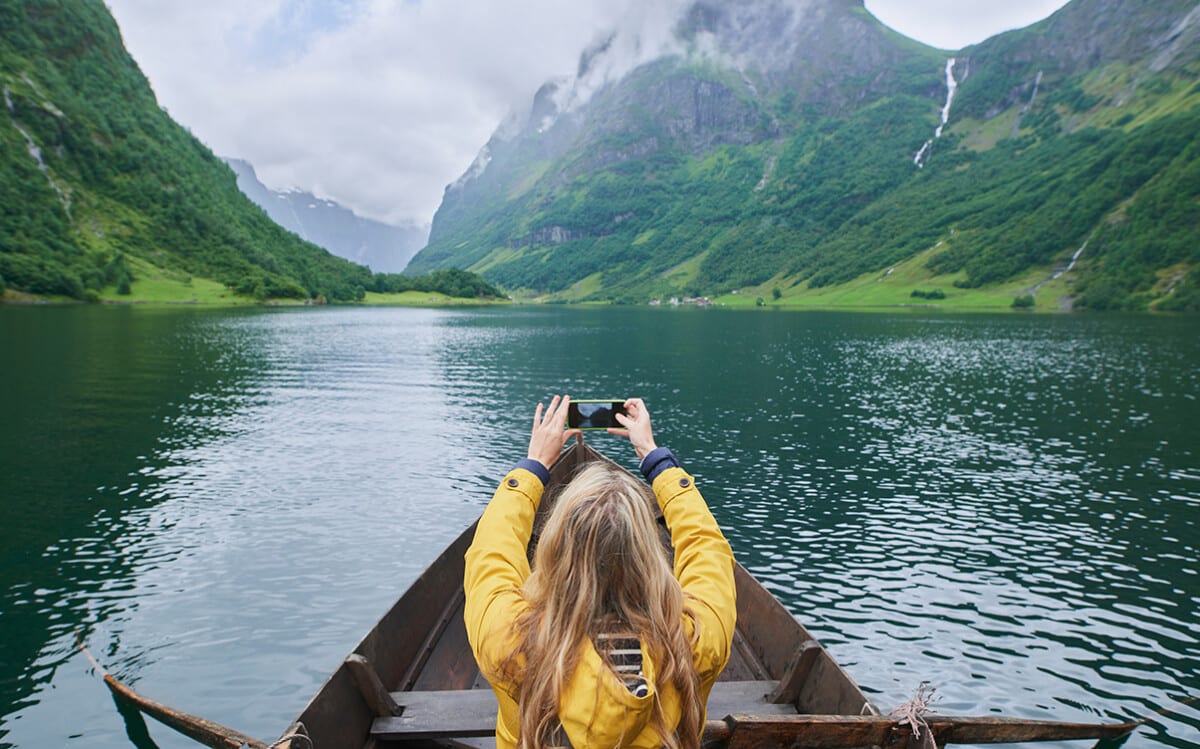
point(378, 111)
point(378, 104)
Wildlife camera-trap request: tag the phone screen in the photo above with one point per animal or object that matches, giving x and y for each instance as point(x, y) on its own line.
point(594, 414)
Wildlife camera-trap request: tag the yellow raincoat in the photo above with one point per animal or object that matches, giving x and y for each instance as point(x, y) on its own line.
point(596, 709)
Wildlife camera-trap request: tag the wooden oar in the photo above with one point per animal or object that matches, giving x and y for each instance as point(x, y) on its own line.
point(199, 729)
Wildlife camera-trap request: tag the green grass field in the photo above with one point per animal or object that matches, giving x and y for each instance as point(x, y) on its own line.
point(153, 285)
point(424, 299)
point(893, 288)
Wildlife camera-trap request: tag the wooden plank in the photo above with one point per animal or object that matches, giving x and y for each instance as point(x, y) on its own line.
point(476, 742)
point(451, 665)
point(749, 722)
point(454, 713)
point(453, 606)
point(847, 731)
point(808, 732)
point(733, 697)
point(472, 712)
point(828, 691)
point(990, 730)
point(744, 664)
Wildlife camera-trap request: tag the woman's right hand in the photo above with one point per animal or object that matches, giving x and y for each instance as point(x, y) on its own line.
point(636, 421)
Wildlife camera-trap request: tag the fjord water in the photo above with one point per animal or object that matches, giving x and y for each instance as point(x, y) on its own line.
point(222, 502)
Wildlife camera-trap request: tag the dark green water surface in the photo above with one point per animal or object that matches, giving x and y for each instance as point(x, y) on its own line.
point(223, 502)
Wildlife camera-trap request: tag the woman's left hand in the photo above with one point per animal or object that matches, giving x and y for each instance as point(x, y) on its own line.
point(549, 432)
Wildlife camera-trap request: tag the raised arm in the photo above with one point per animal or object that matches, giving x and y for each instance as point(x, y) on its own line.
point(496, 562)
point(703, 558)
point(703, 565)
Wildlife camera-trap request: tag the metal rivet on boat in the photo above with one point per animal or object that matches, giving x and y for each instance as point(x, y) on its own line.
point(685, 482)
point(513, 483)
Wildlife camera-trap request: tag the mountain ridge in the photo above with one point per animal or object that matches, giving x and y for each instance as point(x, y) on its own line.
point(692, 175)
point(383, 248)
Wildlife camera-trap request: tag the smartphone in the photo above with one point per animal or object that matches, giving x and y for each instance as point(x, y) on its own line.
point(594, 414)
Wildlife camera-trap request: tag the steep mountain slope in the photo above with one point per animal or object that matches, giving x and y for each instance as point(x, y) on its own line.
point(98, 186)
point(382, 247)
point(804, 143)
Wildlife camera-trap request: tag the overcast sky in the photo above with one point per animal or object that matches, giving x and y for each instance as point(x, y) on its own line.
point(379, 104)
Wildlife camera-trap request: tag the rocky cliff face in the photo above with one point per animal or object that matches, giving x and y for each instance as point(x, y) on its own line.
point(1086, 34)
point(1083, 36)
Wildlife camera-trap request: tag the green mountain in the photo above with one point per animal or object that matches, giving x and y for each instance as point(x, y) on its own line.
point(802, 146)
point(100, 189)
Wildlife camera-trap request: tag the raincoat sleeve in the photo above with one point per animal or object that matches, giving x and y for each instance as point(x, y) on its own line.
point(704, 568)
point(496, 568)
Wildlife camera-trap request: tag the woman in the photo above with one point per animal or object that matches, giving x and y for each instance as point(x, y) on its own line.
point(601, 644)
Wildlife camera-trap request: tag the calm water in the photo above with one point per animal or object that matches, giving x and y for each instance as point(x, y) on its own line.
point(223, 502)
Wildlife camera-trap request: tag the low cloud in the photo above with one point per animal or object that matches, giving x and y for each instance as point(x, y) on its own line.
point(378, 107)
point(378, 104)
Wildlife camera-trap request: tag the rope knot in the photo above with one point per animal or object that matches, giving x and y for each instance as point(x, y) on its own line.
point(912, 713)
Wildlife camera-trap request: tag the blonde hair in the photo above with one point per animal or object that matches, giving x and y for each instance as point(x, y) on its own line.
point(599, 564)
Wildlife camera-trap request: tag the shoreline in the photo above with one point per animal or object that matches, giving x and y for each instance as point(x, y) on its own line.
point(23, 299)
point(445, 302)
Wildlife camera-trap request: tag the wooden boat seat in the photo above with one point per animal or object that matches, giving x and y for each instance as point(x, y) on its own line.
point(466, 713)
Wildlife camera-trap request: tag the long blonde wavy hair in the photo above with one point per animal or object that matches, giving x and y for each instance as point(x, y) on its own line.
point(599, 564)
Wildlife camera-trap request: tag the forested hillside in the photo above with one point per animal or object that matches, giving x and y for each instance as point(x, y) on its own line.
point(810, 149)
point(100, 188)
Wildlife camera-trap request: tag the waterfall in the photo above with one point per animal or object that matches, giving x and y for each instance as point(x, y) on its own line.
point(36, 152)
point(921, 154)
point(1075, 257)
point(1037, 82)
point(951, 87)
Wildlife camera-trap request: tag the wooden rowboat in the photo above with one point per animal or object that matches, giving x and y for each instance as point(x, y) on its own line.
point(413, 682)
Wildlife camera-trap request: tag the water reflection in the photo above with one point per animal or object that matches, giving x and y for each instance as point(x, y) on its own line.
point(224, 502)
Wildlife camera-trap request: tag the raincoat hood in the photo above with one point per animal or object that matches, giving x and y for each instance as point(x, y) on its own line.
point(597, 709)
